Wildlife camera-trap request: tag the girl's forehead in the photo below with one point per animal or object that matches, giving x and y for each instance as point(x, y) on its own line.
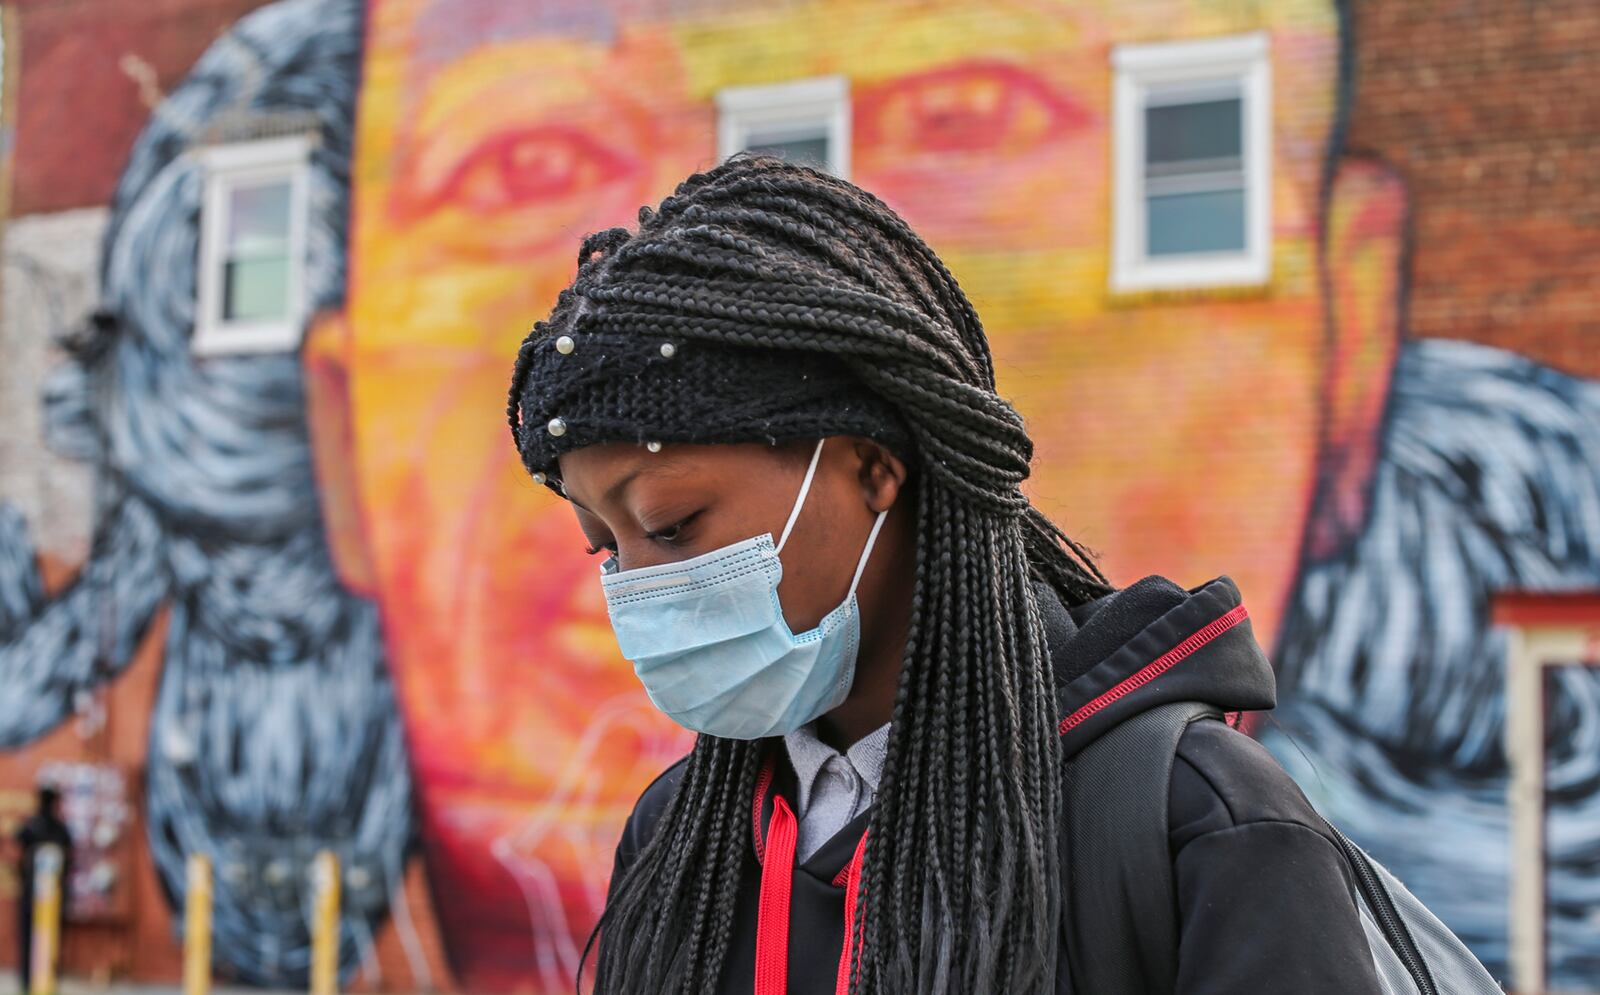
point(604, 472)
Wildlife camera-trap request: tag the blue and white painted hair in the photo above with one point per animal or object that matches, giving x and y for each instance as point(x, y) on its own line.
point(1392, 687)
point(275, 732)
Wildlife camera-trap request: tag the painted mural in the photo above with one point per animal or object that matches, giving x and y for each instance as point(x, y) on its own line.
point(274, 731)
point(381, 631)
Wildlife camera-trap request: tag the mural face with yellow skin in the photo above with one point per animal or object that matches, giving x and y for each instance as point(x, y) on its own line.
point(1178, 435)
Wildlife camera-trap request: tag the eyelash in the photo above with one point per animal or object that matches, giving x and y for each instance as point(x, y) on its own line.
point(669, 534)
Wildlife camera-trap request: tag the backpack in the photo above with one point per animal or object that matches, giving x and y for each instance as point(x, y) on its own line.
point(1123, 903)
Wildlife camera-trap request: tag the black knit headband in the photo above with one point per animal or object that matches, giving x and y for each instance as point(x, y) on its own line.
point(589, 376)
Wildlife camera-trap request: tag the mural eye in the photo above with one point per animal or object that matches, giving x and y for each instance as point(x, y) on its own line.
point(515, 168)
point(969, 107)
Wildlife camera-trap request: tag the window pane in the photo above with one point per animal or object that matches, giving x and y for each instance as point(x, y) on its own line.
point(256, 266)
point(1176, 133)
point(807, 150)
point(258, 219)
point(256, 289)
point(1195, 222)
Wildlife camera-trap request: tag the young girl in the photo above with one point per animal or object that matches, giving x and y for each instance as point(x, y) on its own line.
point(773, 412)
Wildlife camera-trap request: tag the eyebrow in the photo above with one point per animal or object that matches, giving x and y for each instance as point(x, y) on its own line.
point(659, 464)
point(656, 464)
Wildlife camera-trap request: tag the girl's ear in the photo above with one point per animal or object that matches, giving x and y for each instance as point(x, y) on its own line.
point(883, 474)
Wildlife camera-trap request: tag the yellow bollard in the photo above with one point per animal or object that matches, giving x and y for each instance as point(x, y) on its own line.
point(325, 924)
point(46, 919)
point(197, 926)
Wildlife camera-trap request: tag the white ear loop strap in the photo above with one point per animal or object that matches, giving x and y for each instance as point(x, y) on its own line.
point(799, 502)
point(872, 537)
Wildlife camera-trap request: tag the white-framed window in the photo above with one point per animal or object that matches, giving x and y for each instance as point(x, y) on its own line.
point(253, 246)
point(1192, 164)
point(804, 121)
point(1552, 667)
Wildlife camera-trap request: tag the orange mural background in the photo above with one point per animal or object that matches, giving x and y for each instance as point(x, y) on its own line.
point(485, 152)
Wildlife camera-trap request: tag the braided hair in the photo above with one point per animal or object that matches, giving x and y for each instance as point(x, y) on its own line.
point(794, 275)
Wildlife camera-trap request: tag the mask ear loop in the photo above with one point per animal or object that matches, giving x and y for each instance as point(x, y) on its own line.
point(872, 537)
point(799, 502)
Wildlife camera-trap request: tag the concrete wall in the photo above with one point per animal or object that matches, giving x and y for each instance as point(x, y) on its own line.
point(48, 286)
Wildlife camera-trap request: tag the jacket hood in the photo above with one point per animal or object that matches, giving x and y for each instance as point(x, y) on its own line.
point(1149, 644)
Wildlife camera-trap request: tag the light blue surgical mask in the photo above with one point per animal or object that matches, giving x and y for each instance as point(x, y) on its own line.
point(708, 639)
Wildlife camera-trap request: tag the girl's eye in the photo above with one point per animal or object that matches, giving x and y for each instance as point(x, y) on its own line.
point(673, 532)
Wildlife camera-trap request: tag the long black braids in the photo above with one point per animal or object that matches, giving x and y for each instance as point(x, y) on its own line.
point(961, 882)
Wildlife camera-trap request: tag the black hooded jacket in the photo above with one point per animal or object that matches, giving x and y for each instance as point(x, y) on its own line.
point(1265, 902)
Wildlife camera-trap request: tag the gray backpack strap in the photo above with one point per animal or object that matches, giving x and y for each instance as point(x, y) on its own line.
point(1414, 953)
point(1121, 922)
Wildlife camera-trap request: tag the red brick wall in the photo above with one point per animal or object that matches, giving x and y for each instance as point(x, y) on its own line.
point(1491, 112)
point(79, 105)
point(140, 943)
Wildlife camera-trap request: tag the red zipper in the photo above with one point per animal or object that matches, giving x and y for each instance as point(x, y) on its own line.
point(852, 883)
point(1149, 672)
